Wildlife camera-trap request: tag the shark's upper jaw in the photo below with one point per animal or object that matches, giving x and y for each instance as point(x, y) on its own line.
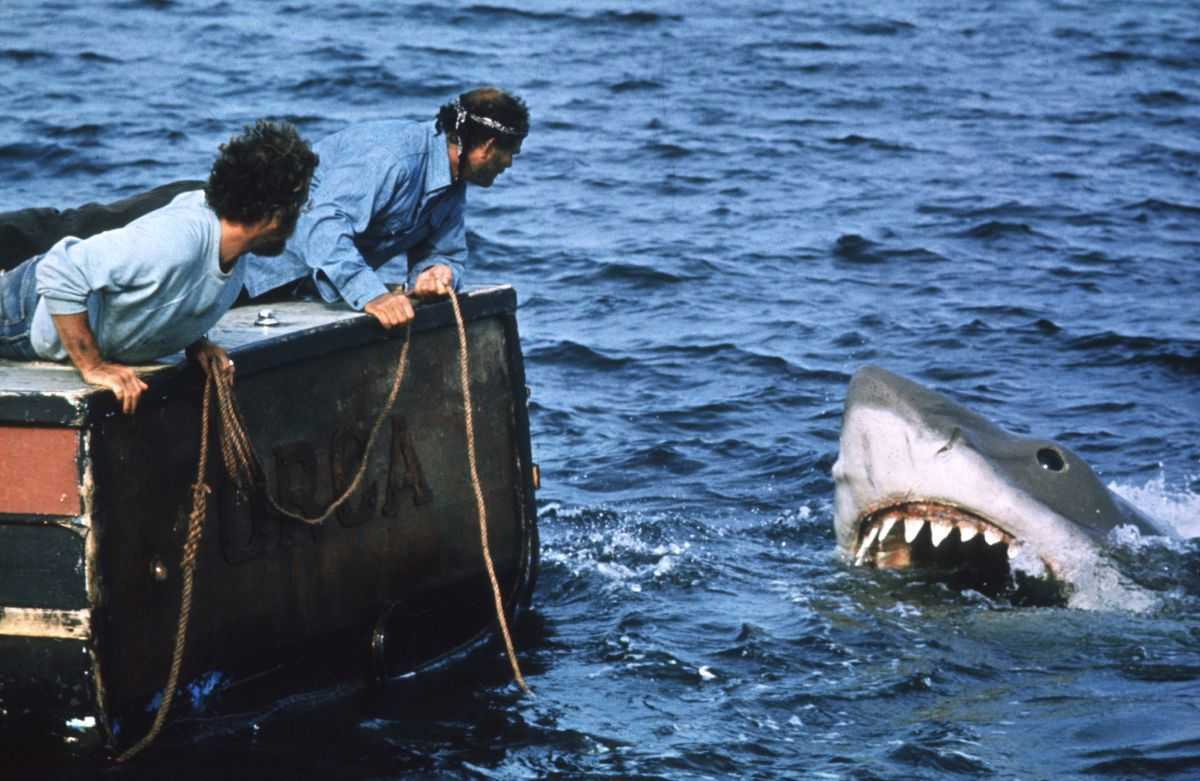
point(971, 551)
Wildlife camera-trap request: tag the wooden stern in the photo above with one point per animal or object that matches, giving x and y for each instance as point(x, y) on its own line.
point(94, 506)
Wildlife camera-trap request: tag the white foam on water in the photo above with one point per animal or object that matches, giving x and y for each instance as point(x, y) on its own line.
point(1102, 588)
point(1178, 507)
point(620, 555)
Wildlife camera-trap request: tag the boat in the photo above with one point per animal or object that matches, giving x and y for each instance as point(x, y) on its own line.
point(94, 508)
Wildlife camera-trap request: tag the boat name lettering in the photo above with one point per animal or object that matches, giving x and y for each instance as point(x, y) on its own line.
point(249, 528)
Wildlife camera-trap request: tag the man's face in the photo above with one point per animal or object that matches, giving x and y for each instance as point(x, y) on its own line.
point(272, 243)
point(486, 161)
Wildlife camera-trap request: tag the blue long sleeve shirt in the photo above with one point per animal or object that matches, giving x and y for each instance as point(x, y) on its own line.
point(382, 209)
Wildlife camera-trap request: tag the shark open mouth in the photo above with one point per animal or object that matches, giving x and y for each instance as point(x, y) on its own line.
point(968, 551)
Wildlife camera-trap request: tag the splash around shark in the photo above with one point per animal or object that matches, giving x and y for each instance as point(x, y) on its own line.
point(923, 482)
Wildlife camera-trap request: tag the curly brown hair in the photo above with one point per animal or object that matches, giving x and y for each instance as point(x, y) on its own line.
point(261, 173)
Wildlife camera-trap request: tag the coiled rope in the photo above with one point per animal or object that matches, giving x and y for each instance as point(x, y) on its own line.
point(245, 470)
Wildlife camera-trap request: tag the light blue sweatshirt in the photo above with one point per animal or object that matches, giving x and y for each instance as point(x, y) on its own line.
point(150, 288)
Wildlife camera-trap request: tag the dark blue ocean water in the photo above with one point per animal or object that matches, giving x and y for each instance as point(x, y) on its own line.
point(722, 211)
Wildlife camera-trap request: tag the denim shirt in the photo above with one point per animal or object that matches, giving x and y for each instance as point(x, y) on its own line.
point(382, 208)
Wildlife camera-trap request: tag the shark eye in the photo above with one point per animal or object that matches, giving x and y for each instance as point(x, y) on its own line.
point(1051, 459)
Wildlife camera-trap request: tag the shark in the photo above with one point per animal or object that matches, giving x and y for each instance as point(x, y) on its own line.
point(923, 482)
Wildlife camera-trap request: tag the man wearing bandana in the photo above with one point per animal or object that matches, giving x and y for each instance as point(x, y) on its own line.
point(387, 206)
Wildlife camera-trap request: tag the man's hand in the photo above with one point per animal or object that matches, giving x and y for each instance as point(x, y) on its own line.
point(209, 357)
point(433, 281)
point(390, 309)
point(118, 378)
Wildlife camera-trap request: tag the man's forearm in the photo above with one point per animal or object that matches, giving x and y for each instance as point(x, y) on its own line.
point(325, 239)
point(78, 340)
point(80, 343)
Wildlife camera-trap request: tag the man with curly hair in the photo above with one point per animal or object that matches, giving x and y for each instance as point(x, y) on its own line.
point(158, 284)
point(388, 203)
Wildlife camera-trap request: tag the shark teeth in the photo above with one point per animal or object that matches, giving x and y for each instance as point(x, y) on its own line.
point(878, 546)
point(866, 544)
point(939, 530)
point(912, 527)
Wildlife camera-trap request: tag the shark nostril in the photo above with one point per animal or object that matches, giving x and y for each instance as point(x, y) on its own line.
point(1051, 459)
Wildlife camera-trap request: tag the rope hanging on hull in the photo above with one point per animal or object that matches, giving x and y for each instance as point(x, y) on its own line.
point(245, 470)
point(200, 492)
point(464, 374)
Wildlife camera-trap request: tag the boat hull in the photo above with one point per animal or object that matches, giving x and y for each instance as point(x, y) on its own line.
point(100, 591)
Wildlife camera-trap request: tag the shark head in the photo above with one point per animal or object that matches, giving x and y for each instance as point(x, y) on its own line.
point(921, 481)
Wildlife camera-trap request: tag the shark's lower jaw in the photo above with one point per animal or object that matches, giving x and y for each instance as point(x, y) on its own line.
point(968, 551)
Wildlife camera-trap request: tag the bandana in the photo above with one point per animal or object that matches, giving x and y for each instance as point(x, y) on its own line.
point(464, 115)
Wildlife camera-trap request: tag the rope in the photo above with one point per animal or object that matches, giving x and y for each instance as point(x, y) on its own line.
point(191, 547)
point(244, 468)
point(464, 374)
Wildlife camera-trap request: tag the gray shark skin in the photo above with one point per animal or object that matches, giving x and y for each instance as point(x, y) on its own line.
point(922, 481)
